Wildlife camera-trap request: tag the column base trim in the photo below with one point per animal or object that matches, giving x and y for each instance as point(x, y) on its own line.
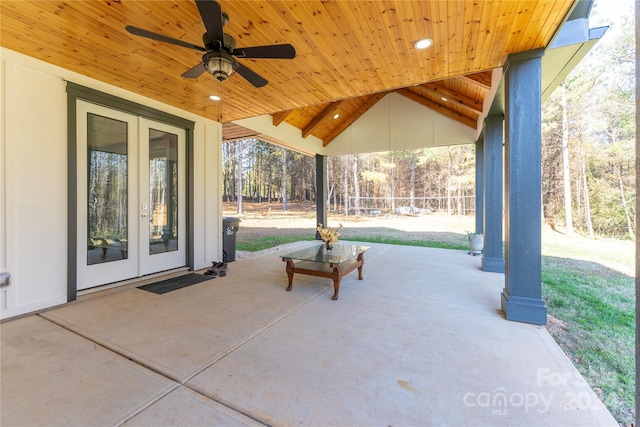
point(493, 265)
point(521, 309)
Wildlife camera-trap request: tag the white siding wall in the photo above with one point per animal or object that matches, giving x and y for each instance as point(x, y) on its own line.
point(398, 123)
point(394, 123)
point(212, 155)
point(33, 181)
point(36, 188)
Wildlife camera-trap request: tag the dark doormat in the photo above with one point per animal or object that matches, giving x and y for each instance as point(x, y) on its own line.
point(179, 282)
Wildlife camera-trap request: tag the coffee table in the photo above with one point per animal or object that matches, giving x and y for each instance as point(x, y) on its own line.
point(317, 261)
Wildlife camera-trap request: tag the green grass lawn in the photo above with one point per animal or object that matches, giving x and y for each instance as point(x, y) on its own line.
point(409, 242)
point(595, 305)
point(266, 242)
point(590, 299)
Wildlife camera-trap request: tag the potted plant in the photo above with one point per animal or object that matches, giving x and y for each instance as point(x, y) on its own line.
point(476, 242)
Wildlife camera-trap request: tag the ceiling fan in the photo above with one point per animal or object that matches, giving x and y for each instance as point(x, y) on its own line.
point(220, 48)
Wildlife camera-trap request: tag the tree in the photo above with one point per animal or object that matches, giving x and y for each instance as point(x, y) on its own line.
point(356, 184)
point(239, 153)
point(391, 166)
point(284, 179)
point(566, 171)
point(588, 131)
point(345, 186)
point(412, 180)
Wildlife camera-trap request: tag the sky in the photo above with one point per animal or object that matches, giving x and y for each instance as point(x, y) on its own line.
point(609, 12)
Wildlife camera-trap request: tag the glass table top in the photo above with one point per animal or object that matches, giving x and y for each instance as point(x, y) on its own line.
point(340, 253)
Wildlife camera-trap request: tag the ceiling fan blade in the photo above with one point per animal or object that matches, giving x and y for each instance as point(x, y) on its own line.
point(194, 72)
point(211, 14)
point(275, 51)
point(159, 37)
point(251, 76)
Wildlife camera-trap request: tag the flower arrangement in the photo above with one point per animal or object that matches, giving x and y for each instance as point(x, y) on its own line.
point(329, 235)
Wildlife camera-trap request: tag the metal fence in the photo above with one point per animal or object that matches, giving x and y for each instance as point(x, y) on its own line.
point(457, 205)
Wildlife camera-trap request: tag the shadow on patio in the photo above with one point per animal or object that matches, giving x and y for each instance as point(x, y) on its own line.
point(420, 341)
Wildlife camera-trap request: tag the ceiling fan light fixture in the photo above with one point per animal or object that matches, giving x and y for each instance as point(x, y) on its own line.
point(220, 67)
point(220, 48)
point(423, 43)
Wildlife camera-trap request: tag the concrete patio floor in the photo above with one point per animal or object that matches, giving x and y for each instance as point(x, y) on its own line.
point(420, 341)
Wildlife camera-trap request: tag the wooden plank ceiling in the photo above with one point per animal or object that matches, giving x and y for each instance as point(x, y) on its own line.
point(349, 53)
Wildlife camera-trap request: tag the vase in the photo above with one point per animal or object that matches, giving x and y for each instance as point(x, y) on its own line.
point(476, 244)
point(328, 245)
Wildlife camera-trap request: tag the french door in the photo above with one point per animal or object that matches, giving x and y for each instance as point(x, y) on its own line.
point(130, 196)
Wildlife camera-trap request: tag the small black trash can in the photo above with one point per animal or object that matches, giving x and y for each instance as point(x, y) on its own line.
point(230, 227)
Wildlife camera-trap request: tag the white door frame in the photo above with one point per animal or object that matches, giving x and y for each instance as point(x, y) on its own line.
point(136, 261)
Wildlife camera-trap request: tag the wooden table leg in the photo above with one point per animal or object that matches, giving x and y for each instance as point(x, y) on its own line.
point(336, 276)
point(290, 265)
point(361, 262)
point(336, 289)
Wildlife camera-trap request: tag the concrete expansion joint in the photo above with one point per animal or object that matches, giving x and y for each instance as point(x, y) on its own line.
point(235, 347)
point(228, 405)
point(175, 383)
point(145, 405)
point(106, 345)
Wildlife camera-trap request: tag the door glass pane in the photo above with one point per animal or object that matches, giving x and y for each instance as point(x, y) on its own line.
point(107, 189)
point(163, 192)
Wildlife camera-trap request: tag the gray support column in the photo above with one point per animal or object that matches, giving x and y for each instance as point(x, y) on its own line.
point(321, 192)
point(492, 258)
point(480, 185)
point(522, 294)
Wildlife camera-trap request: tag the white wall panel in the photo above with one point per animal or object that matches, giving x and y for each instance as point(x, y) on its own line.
point(398, 123)
point(207, 195)
point(199, 194)
point(413, 124)
point(371, 133)
point(212, 187)
point(449, 132)
point(3, 183)
point(36, 188)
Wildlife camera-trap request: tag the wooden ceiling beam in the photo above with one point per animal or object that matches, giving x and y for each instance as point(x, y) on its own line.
point(452, 96)
point(233, 132)
point(482, 79)
point(442, 109)
point(317, 121)
point(347, 121)
point(280, 117)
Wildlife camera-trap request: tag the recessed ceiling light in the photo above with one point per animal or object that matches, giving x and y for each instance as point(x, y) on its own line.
point(335, 116)
point(215, 98)
point(423, 43)
point(444, 99)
